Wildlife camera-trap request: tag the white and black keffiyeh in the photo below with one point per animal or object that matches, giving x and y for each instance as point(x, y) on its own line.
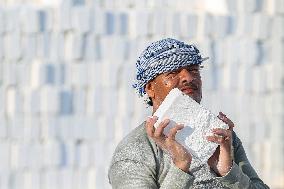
point(163, 56)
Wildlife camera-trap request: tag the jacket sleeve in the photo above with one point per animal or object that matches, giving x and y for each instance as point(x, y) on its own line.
point(242, 175)
point(129, 174)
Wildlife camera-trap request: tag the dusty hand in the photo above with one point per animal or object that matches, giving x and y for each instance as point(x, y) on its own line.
point(221, 160)
point(181, 158)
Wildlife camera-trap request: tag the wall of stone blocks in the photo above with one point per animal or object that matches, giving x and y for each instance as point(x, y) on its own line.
point(66, 68)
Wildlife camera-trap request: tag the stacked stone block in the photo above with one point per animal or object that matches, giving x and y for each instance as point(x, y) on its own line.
point(66, 71)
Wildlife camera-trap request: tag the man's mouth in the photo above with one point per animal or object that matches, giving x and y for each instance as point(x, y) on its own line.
point(188, 90)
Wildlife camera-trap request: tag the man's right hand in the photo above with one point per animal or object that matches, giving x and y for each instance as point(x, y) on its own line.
point(180, 156)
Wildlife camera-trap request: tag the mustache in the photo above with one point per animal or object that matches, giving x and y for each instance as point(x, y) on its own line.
point(191, 85)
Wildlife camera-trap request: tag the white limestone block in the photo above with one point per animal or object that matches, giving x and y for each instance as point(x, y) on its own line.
point(103, 132)
point(49, 127)
point(3, 127)
point(176, 21)
point(83, 159)
point(121, 127)
point(123, 23)
point(244, 25)
point(249, 6)
point(99, 153)
point(191, 25)
point(32, 126)
point(98, 23)
point(77, 74)
point(245, 76)
point(63, 19)
point(225, 25)
point(91, 182)
point(30, 20)
point(81, 179)
point(261, 26)
point(126, 102)
point(231, 77)
point(50, 178)
point(137, 22)
point(77, 127)
point(207, 26)
point(95, 101)
point(110, 101)
point(18, 179)
point(28, 45)
point(14, 102)
point(46, 19)
point(66, 178)
point(276, 54)
point(66, 99)
point(198, 122)
point(110, 76)
point(73, 48)
point(29, 156)
point(43, 44)
point(37, 73)
point(101, 180)
point(64, 129)
point(159, 19)
point(80, 101)
point(110, 23)
point(5, 180)
point(248, 45)
point(67, 154)
point(5, 156)
point(57, 47)
point(31, 180)
point(50, 97)
point(50, 153)
point(11, 19)
point(90, 50)
point(2, 21)
point(279, 6)
point(12, 46)
point(90, 128)
point(81, 19)
point(22, 73)
point(31, 104)
point(1, 47)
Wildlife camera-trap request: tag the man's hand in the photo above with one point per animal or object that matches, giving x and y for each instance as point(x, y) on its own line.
point(221, 160)
point(181, 158)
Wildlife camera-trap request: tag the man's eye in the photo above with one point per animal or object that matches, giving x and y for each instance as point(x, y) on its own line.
point(173, 73)
point(195, 70)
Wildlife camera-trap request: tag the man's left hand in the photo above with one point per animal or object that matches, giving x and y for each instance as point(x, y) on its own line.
point(221, 160)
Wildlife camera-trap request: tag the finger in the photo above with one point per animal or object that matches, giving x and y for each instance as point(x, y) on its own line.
point(217, 139)
point(224, 118)
point(222, 132)
point(160, 129)
point(150, 127)
point(173, 131)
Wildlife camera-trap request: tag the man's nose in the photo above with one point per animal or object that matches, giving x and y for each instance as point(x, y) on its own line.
point(185, 76)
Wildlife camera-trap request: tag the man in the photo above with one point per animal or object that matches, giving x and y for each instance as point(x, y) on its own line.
point(146, 158)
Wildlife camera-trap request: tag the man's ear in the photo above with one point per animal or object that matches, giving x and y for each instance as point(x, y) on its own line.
point(149, 89)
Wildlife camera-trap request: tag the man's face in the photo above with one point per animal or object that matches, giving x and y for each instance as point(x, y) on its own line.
point(187, 79)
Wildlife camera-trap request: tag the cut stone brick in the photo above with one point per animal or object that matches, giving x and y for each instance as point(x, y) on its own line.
point(81, 19)
point(12, 46)
point(5, 156)
point(198, 122)
point(49, 100)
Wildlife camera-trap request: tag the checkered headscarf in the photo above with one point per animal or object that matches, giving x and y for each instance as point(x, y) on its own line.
point(163, 56)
